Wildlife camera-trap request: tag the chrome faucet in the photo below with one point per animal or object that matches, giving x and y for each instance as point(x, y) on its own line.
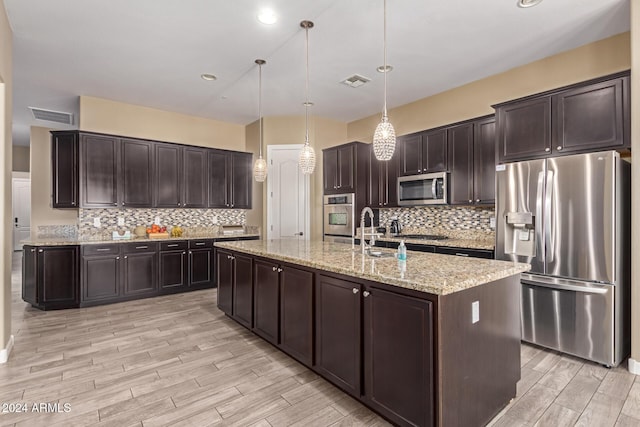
point(372, 234)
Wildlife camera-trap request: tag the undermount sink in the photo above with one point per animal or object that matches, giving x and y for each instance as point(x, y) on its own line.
point(379, 254)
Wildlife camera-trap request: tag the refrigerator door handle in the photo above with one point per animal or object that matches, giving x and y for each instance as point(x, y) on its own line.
point(539, 222)
point(548, 218)
point(566, 287)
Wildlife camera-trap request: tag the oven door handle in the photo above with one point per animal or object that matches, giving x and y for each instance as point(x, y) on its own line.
point(566, 287)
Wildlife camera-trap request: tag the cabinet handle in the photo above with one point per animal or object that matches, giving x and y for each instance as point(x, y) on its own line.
point(477, 200)
point(184, 253)
point(419, 170)
point(73, 203)
point(173, 245)
point(103, 249)
point(178, 204)
point(33, 250)
point(461, 254)
point(232, 257)
point(115, 204)
point(117, 257)
point(228, 256)
point(547, 149)
point(559, 148)
point(470, 201)
point(354, 290)
point(142, 247)
point(122, 203)
point(279, 270)
point(125, 257)
point(40, 250)
point(274, 268)
point(366, 293)
point(200, 243)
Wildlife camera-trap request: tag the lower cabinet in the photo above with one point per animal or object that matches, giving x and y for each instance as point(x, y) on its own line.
point(266, 313)
point(139, 269)
point(50, 276)
point(201, 264)
point(224, 269)
point(243, 289)
point(296, 313)
point(101, 274)
point(173, 271)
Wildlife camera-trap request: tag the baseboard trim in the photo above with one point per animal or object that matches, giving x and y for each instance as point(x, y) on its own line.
point(5, 352)
point(633, 366)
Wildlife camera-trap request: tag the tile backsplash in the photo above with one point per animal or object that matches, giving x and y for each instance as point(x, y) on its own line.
point(472, 218)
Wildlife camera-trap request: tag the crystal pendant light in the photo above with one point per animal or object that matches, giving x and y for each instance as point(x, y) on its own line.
point(307, 159)
point(260, 166)
point(384, 138)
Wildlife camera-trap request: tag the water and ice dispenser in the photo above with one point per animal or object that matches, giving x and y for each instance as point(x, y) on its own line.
point(520, 234)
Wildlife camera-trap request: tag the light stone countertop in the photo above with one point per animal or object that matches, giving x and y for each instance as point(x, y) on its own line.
point(53, 241)
point(426, 272)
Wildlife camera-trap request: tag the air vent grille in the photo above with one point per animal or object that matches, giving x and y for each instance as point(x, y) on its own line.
point(52, 116)
point(355, 81)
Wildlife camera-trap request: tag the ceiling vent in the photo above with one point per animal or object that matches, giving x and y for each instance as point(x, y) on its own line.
point(355, 81)
point(52, 116)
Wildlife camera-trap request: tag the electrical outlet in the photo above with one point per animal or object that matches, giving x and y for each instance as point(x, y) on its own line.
point(157, 220)
point(120, 221)
point(492, 222)
point(475, 312)
point(96, 222)
point(214, 220)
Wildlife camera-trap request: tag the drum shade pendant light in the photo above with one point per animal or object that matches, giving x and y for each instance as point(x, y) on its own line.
point(260, 166)
point(307, 159)
point(384, 138)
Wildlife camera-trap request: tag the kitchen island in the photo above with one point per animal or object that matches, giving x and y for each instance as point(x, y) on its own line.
point(433, 340)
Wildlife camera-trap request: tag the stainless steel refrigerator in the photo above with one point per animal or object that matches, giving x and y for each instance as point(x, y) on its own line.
point(569, 217)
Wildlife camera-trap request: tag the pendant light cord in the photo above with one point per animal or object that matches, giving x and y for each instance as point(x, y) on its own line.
point(306, 104)
point(260, 104)
point(384, 55)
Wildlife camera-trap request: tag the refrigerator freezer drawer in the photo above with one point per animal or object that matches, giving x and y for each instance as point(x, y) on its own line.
point(575, 319)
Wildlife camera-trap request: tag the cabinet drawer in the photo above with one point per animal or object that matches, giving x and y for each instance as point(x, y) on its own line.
point(477, 253)
point(173, 246)
point(129, 248)
point(199, 244)
point(101, 249)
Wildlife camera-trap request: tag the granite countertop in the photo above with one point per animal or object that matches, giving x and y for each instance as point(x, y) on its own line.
point(53, 241)
point(426, 272)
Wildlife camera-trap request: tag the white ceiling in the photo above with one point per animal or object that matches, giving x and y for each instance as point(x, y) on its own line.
point(152, 52)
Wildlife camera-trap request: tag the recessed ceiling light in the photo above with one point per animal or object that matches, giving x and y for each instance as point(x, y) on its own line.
point(208, 77)
point(381, 69)
point(267, 16)
point(528, 3)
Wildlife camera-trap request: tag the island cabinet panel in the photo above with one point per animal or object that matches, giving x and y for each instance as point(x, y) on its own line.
point(338, 332)
point(137, 173)
point(64, 166)
point(140, 269)
point(167, 179)
point(296, 313)
point(173, 275)
point(398, 357)
point(224, 263)
point(99, 171)
point(29, 275)
point(50, 278)
point(243, 290)
point(266, 307)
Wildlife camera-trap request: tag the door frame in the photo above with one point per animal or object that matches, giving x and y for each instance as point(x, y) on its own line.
point(16, 177)
point(307, 188)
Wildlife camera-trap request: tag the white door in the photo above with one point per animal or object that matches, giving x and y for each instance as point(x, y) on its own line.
point(21, 188)
point(288, 210)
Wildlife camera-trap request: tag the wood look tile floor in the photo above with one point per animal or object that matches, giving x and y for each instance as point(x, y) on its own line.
point(177, 360)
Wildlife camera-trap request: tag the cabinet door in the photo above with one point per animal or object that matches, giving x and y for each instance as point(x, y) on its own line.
point(243, 290)
point(296, 313)
point(173, 271)
point(167, 176)
point(461, 164)
point(29, 275)
point(524, 129)
point(137, 173)
point(338, 339)
point(589, 118)
point(100, 278)
point(58, 276)
point(224, 269)
point(411, 154)
point(194, 173)
point(64, 164)
point(377, 170)
point(98, 171)
point(330, 171)
point(346, 157)
point(266, 299)
point(201, 268)
point(140, 273)
point(219, 170)
point(434, 151)
point(389, 181)
point(241, 180)
point(398, 357)
point(484, 161)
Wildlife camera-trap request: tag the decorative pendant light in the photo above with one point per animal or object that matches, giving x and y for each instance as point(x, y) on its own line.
point(384, 138)
point(260, 166)
point(307, 159)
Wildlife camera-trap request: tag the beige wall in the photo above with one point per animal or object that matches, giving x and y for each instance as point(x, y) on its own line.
point(106, 116)
point(475, 99)
point(635, 180)
point(6, 45)
point(20, 159)
point(41, 211)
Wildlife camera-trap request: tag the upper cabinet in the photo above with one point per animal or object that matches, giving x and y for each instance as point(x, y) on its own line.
point(194, 177)
point(423, 152)
point(339, 169)
point(99, 171)
point(230, 179)
point(382, 190)
point(484, 161)
point(168, 182)
point(64, 164)
point(589, 116)
point(137, 173)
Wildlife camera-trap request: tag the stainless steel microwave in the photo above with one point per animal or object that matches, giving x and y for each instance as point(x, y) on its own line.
point(426, 189)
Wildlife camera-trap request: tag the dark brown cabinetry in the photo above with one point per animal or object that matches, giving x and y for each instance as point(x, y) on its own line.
point(461, 164)
point(194, 177)
point(588, 116)
point(224, 271)
point(484, 161)
point(398, 356)
point(64, 163)
point(424, 152)
point(243, 290)
point(137, 175)
point(173, 271)
point(475, 253)
point(50, 276)
point(230, 179)
point(99, 171)
point(382, 190)
point(139, 269)
point(101, 274)
point(296, 313)
point(345, 168)
point(338, 332)
point(167, 179)
point(201, 263)
point(266, 303)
